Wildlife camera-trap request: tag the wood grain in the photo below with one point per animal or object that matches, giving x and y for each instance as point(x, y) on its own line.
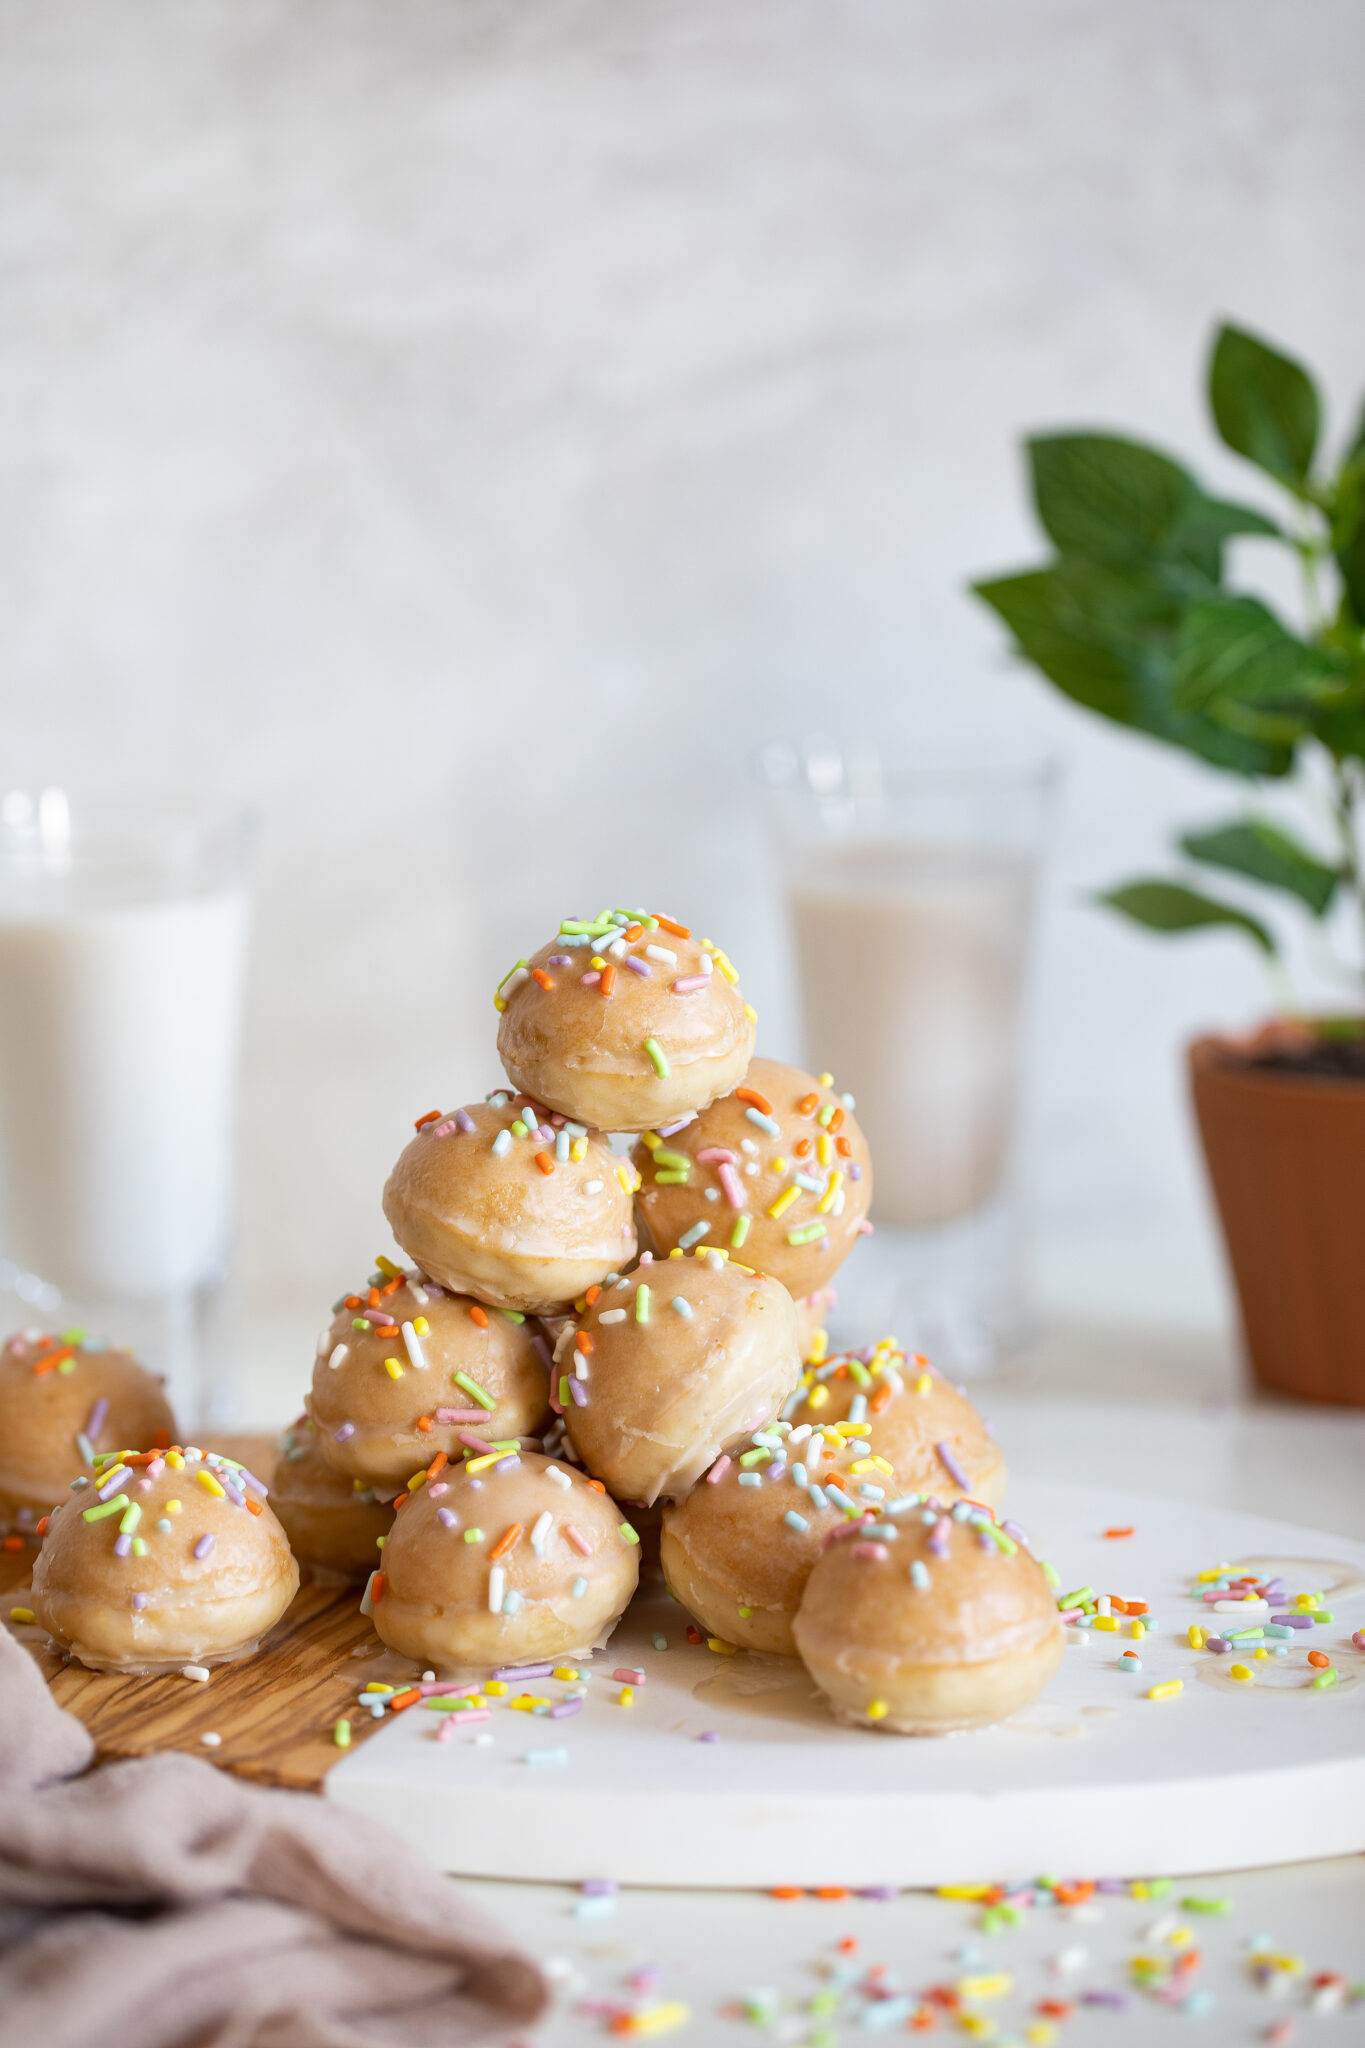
point(275, 1712)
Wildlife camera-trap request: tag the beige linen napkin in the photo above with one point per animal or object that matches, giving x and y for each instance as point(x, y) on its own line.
point(160, 1903)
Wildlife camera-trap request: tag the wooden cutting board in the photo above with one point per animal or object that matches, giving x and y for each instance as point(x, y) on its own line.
point(275, 1712)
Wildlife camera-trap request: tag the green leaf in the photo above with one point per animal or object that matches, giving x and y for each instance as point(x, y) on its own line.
point(1170, 907)
point(1106, 638)
point(1235, 648)
point(1263, 853)
point(1348, 526)
point(1103, 499)
point(1265, 406)
point(1205, 524)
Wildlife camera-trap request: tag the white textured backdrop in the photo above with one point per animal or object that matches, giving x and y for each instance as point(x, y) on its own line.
point(469, 429)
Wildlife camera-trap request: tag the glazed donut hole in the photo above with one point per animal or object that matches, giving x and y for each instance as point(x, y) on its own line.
point(738, 1551)
point(336, 1525)
point(505, 1560)
point(513, 1204)
point(928, 1620)
point(777, 1171)
point(670, 1365)
point(160, 1559)
point(924, 1426)
point(624, 1021)
point(403, 1367)
point(62, 1399)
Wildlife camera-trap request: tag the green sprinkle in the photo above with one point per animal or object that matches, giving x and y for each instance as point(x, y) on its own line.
point(1244, 1635)
point(511, 1315)
point(1321, 1614)
point(473, 1535)
point(669, 1177)
point(341, 1734)
point(755, 1457)
point(806, 1233)
point(139, 1547)
point(106, 1507)
point(1001, 1540)
point(359, 1323)
point(678, 1160)
point(1324, 1679)
point(514, 969)
point(628, 1533)
point(73, 1336)
point(1195, 1905)
point(519, 1128)
point(131, 1517)
point(564, 1395)
point(642, 1304)
point(740, 1231)
point(1049, 1572)
point(1078, 1598)
point(656, 1058)
point(859, 1373)
point(475, 1391)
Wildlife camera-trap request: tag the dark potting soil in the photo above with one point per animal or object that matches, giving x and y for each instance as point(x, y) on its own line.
point(1326, 1059)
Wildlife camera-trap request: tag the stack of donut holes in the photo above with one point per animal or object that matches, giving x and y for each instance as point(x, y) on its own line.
point(607, 1341)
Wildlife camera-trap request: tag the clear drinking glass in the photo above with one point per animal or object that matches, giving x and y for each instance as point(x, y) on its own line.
point(910, 893)
point(123, 940)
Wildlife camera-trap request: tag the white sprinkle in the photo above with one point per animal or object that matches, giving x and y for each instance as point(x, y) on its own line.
point(339, 1356)
point(414, 1347)
point(560, 1477)
point(612, 1315)
point(540, 1529)
point(211, 1741)
point(592, 1187)
point(502, 1143)
point(197, 1672)
point(662, 955)
point(706, 965)
point(418, 1293)
point(748, 1145)
point(497, 1588)
point(324, 1339)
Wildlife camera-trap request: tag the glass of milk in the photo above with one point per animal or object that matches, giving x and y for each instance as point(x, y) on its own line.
point(910, 892)
point(123, 939)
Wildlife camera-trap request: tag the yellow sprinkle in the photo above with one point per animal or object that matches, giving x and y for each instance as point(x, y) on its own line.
point(482, 1464)
point(655, 2019)
point(1167, 1691)
point(210, 1484)
point(819, 1345)
point(721, 1649)
point(495, 1688)
point(879, 1464)
point(421, 1325)
point(626, 1696)
point(565, 1671)
point(1040, 2034)
point(21, 1614)
point(1196, 1637)
point(417, 1479)
point(993, 1986)
point(1180, 1937)
point(824, 1148)
point(751, 1013)
point(393, 1368)
point(827, 1200)
point(650, 1140)
point(626, 1177)
point(578, 1151)
point(779, 1165)
point(173, 1507)
point(877, 1710)
point(969, 1892)
point(784, 1201)
point(1261, 1653)
point(817, 1397)
point(924, 1384)
point(825, 1080)
point(1105, 1621)
point(1239, 1671)
point(1138, 1627)
point(377, 1685)
point(862, 1465)
point(175, 1461)
point(1216, 1572)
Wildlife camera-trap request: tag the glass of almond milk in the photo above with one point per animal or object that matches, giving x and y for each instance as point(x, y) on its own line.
point(910, 892)
point(123, 938)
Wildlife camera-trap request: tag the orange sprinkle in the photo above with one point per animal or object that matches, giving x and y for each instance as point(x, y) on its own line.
point(41, 1528)
point(922, 2020)
point(478, 1315)
point(591, 1296)
point(849, 1947)
point(424, 1423)
point(11, 1542)
point(1112, 1534)
point(835, 1122)
point(53, 1359)
point(398, 1500)
point(353, 1301)
point(392, 1286)
point(539, 974)
point(759, 1102)
point(437, 1465)
point(608, 981)
point(1314, 1656)
point(1127, 1606)
point(377, 1584)
point(253, 1507)
point(583, 1341)
point(786, 1891)
point(544, 1162)
point(880, 1398)
point(679, 931)
point(508, 1540)
point(633, 932)
point(844, 1148)
point(831, 1891)
point(372, 1299)
point(1055, 2008)
point(399, 1700)
point(803, 1147)
point(433, 1116)
point(597, 1486)
point(807, 1103)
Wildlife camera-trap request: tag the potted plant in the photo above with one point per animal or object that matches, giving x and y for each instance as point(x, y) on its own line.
point(1134, 619)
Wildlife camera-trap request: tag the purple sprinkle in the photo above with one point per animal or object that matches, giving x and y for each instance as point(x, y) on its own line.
point(98, 1416)
point(523, 1671)
point(256, 1485)
point(464, 1120)
point(560, 960)
point(855, 1172)
point(205, 1544)
point(347, 1429)
point(232, 1490)
point(637, 966)
point(432, 1288)
point(579, 1393)
point(952, 1467)
point(1273, 1590)
point(671, 1130)
point(476, 1486)
point(878, 1891)
point(1216, 1644)
point(123, 1546)
point(508, 1464)
point(1112, 1886)
point(446, 1518)
point(1013, 1529)
point(599, 1887)
point(938, 1536)
point(709, 1735)
point(1115, 1999)
point(111, 1486)
point(139, 1602)
point(564, 1709)
point(1295, 1620)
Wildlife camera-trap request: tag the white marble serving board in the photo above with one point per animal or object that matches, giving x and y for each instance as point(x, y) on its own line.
point(1093, 1779)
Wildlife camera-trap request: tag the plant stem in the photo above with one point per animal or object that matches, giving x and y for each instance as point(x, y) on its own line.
point(1345, 794)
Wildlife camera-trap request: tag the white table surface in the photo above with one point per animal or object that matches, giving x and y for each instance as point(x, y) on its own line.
point(1167, 1412)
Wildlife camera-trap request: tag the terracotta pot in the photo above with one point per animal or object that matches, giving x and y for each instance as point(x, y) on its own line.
point(1286, 1156)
